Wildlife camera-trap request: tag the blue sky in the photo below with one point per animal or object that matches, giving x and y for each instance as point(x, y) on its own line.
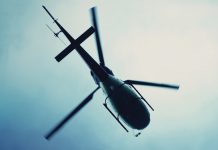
point(163, 41)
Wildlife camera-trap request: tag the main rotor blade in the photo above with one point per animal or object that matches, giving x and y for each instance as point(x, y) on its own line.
point(152, 84)
point(70, 115)
point(97, 37)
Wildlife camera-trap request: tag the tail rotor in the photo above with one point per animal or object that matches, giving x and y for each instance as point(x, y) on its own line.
point(56, 34)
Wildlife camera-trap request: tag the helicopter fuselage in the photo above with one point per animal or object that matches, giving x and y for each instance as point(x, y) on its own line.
point(126, 102)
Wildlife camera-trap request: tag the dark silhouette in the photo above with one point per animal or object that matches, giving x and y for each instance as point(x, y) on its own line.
point(124, 97)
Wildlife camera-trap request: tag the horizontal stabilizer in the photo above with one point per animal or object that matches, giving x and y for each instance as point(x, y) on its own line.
point(75, 44)
point(64, 53)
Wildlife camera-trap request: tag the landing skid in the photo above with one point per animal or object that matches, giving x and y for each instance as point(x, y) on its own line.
point(116, 118)
point(142, 97)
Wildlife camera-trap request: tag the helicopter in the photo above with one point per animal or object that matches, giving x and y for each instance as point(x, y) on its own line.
point(127, 102)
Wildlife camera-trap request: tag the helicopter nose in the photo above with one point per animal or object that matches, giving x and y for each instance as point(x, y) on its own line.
point(144, 121)
point(147, 120)
point(140, 116)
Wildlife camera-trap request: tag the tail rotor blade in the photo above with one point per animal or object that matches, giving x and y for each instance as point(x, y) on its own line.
point(97, 37)
point(176, 87)
point(70, 115)
point(62, 41)
point(50, 29)
point(56, 34)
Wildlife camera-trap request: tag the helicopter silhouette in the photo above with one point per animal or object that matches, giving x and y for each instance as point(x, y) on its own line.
point(126, 100)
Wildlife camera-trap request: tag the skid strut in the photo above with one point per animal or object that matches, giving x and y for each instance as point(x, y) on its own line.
point(143, 98)
point(105, 105)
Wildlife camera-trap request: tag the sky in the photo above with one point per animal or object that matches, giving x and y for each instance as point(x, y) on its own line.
point(167, 41)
